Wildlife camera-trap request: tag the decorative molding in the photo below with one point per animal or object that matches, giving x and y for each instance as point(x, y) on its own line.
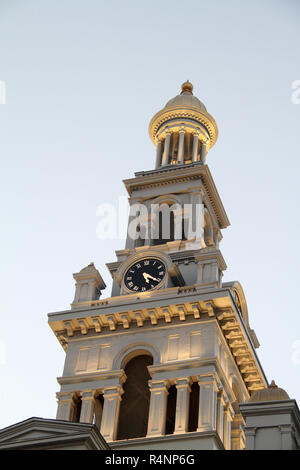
point(190, 309)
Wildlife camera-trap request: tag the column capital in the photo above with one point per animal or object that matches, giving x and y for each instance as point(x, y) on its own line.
point(113, 391)
point(66, 404)
point(228, 411)
point(135, 200)
point(285, 428)
point(221, 397)
point(209, 379)
point(250, 431)
point(183, 382)
point(158, 385)
point(88, 394)
point(65, 396)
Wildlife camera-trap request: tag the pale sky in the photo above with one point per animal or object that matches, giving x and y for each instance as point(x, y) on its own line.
point(83, 79)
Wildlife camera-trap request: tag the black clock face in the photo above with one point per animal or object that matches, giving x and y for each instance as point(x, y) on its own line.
point(144, 275)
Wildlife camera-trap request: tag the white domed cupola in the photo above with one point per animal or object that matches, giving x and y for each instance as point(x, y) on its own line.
point(183, 131)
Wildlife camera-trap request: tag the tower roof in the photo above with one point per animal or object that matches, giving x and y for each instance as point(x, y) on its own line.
point(271, 393)
point(187, 110)
point(186, 98)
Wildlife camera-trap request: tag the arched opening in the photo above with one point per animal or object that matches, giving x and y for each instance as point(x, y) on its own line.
point(165, 230)
point(134, 409)
point(171, 410)
point(194, 407)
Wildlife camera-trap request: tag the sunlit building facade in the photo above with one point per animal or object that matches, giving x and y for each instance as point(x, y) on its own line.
point(168, 360)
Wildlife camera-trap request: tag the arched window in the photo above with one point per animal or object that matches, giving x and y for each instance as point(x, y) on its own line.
point(134, 409)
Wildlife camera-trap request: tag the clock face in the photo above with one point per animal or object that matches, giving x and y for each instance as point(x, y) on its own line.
point(144, 275)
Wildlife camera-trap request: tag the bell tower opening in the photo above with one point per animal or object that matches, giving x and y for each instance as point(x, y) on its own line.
point(75, 416)
point(194, 407)
point(171, 409)
point(166, 229)
point(134, 409)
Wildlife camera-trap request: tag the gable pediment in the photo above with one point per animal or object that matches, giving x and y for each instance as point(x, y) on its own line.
point(36, 432)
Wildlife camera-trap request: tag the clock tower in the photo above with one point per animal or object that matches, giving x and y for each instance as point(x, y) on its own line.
point(165, 361)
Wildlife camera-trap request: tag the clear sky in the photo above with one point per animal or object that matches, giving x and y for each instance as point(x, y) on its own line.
point(83, 79)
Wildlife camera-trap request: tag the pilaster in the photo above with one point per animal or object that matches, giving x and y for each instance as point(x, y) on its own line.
point(158, 407)
point(66, 406)
point(87, 406)
point(182, 404)
point(112, 399)
point(207, 420)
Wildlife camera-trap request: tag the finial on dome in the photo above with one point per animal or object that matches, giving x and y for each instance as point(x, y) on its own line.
point(271, 393)
point(187, 87)
point(273, 384)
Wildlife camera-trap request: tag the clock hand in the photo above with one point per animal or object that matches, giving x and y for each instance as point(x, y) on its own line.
point(147, 276)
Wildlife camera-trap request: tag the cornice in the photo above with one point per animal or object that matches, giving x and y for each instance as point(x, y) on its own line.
point(271, 407)
point(118, 375)
point(210, 367)
point(184, 112)
point(179, 175)
point(160, 309)
point(143, 441)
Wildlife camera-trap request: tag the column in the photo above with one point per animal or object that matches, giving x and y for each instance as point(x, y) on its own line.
point(227, 427)
point(286, 436)
point(158, 154)
point(87, 406)
point(132, 222)
point(66, 406)
point(181, 146)
point(158, 407)
point(207, 404)
point(195, 147)
point(149, 228)
point(109, 424)
point(203, 152)
point(237, 432)
point(182, 405)
point(250, 434)
point(165, 158)
point(200, 269)
point(220, 414)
